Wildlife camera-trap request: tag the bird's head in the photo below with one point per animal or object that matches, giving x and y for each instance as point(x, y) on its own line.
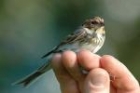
point(95, 25)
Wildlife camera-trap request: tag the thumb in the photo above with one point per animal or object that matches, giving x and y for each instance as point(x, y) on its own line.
point(97, 81)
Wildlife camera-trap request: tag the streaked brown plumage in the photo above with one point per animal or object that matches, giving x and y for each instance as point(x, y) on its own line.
point(90, 36)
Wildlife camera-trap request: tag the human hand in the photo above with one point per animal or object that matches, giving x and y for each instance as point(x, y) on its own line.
point(67, 70)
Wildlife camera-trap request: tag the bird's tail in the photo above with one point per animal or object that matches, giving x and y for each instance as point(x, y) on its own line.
point(35, 75)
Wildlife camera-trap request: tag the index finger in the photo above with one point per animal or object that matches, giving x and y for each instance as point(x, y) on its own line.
point(124, 81)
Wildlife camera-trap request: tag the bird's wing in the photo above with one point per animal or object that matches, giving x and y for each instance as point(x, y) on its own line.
point(78, 35)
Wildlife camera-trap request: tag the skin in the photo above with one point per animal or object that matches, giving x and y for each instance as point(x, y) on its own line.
point(105, 74)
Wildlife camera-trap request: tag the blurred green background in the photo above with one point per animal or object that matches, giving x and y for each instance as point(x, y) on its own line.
point(30, 28)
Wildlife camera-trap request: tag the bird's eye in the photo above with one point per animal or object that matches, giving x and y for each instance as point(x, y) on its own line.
point(94, 22)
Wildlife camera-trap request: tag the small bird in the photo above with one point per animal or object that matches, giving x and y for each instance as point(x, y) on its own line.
point(90, 36)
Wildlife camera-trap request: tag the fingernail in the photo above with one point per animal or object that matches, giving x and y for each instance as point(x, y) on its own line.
point(98, 80)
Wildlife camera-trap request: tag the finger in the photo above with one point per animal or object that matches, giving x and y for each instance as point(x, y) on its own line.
point(123, 79)
point(67, 83)
point(88, 60)
point(58, 68)
point(69, 60)
point(97, 81)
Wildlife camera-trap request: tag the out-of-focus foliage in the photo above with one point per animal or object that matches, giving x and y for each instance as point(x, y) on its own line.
point(30, 28)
